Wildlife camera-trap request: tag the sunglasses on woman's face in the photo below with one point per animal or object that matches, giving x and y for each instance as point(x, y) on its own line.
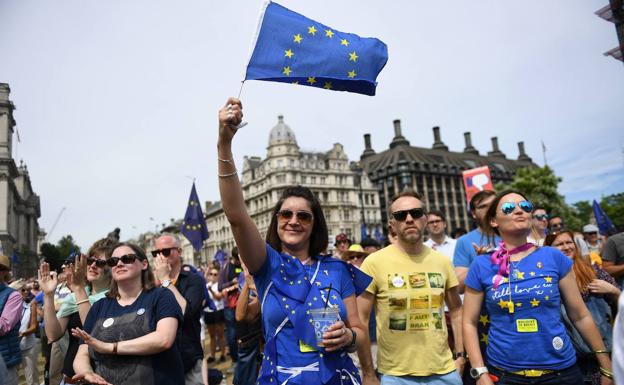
point(509, 207)
point(166, 251)
point(125, 259)
point(304, 217)
point(402, 214)
point(98, 262)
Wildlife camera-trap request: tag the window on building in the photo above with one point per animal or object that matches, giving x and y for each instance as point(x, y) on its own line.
point(325, 196)
point(280, 163)
point(322, 180)
point(347, 215)
point(313, 180)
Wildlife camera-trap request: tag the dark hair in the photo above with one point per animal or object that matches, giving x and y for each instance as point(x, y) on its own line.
point(583, 270)
point(370, 242)
point(235, 252)
point(539, 207)
point(480, 196)
point(147, 276)
point(404, 193)
point(488, 230)
point(318, 238)
point(102, 246)
point(458, 232)
point(437, 213)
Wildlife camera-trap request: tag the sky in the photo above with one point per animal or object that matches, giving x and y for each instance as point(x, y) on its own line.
point(117, 100)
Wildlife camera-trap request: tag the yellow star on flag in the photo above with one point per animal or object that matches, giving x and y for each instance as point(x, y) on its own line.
point(329, 33)
point(520, 275)
point(502, 304)
point(312, 30)
point(288, 53)
point(519, 304)
point(297, 38)
point(351, 74)
point(484, 338)
point(532, 274)
point(327, 85)
point(547, 298)
point(548, 279)
point(344, 42)
point(353, 56)
point(287, 71)
point(534, 303)
point(483, 318)
point(311, 80)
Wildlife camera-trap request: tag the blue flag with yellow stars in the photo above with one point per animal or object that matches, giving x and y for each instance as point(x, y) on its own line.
point(194, 226)
point(291, 48)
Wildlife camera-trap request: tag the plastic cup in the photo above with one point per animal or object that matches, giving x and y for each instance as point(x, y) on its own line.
point(322, 319)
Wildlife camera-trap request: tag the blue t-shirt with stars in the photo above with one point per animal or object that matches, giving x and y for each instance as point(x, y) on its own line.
point(290, 353)
point(533, 336)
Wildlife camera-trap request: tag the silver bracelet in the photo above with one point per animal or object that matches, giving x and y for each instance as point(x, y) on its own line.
point(227, 175)
point(230, 161)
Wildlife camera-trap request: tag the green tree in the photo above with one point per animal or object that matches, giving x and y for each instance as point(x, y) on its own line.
point(55, 255)
point(540, 185)
point(583, 211)
point(613, 205)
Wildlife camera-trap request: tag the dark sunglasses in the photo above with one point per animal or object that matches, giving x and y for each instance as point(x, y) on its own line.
point(509, 207)
point(213, 274)
point(358, 256)
point(98, 262)
point(304, 217)
point(541, 217)
point(401, 215)
point(125, 259)
point(166, 252)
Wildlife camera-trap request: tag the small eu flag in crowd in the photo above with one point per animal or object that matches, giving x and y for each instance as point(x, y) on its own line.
point(194, 226)
point(602, 220)
point(291, 48)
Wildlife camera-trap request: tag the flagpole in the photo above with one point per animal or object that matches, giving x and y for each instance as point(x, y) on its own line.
point(254, 39)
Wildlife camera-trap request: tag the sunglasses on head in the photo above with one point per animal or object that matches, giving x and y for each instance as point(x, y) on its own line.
point(541, 217)
point(401, 215)
point(305, 217)
point(98, 262)
point(509, 207)
point(166, 251)
point(125, 259)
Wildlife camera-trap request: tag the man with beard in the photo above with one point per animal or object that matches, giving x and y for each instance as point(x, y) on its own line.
point(411, 284)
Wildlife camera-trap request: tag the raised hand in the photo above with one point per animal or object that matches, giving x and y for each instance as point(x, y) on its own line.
point(47, 280)
point(162, 268)
point(77, 277)
point(230, 116)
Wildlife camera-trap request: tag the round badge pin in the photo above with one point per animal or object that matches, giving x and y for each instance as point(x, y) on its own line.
point(557, 343)
point(108, 322)
point(141, 311)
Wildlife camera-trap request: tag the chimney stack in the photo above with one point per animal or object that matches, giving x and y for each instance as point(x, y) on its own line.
point(523, 156)
point(469, 149)
point(495, 150)
point(368, 149)
point(437, 141)
point(398, 136)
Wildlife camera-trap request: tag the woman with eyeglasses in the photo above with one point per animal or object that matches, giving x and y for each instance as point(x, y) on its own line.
point(293, 277)
point(599, 290)
point(213, 315)
point(523, 286)
point(89, 279)
point(129, 335)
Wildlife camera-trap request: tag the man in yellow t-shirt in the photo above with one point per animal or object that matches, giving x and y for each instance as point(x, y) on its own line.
point(411, 284)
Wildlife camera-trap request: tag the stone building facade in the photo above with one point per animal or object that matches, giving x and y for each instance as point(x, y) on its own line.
point(345, 192)
point(436, 172)
point(20, 206)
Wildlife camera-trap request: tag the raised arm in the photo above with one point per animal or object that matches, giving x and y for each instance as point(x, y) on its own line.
point(54, 327)
point(250, 244)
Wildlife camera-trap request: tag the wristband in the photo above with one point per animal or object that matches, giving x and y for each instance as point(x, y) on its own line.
point(606, 373)
point(83, 301)
point(603, 351)
point(115, 348)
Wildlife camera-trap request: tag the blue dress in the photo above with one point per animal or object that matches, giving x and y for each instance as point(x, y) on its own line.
point(288, 290)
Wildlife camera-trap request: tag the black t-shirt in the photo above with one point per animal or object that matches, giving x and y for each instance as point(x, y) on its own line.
point(72, 348)
point(191, 286)
point(110, 322)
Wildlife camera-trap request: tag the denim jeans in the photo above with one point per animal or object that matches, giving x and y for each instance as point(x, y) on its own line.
point(451, 378)
point(568, 376)
point(247, 365)
point(230, 332)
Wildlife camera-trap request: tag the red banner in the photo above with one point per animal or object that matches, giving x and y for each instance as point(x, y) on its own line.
point(477, 179)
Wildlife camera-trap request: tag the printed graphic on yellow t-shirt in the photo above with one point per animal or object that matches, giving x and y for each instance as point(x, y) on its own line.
point(409, 308)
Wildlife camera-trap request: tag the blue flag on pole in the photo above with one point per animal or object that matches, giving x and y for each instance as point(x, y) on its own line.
point(291, 48)
point(194, 226)
point(602, 220)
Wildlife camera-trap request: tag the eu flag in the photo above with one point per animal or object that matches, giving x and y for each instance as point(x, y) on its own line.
point(194, 226)
point(291, 48)
point(602, 220)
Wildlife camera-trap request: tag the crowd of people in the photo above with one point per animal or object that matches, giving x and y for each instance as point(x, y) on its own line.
point(519, 299)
